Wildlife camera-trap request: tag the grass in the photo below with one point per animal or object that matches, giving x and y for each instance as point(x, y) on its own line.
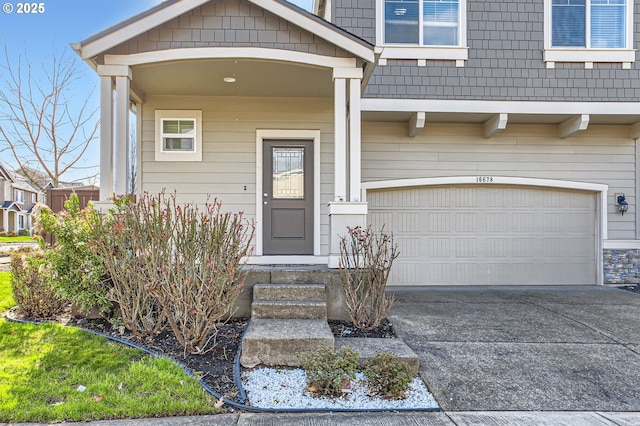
point(42, 367)
point(16, 239)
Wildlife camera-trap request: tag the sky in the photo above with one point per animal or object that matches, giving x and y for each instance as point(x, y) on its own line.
point(57, 24)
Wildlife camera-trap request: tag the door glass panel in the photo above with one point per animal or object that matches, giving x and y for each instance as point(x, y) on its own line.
point(288, 172)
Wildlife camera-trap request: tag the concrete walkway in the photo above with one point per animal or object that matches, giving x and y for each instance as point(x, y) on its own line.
point(502, 356)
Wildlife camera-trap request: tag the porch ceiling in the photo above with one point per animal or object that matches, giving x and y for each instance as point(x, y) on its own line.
point(253, 78)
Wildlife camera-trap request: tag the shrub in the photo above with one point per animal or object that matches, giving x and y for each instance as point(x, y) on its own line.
point(366, 258)
point(388, 377)
point(187, 258)
point(23, 233)
point(12, 234)
point(328, 370)
point(31, 283)
point(3, 234)
point(79, 273)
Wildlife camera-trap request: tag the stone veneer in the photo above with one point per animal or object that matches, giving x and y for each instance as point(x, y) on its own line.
point(622, 266)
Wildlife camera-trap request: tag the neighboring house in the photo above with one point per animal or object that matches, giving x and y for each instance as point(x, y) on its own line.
point(17, 199)
point(492, 138)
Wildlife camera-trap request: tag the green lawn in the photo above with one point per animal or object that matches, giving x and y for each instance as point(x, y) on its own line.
point(16, 239)
point(43, 366)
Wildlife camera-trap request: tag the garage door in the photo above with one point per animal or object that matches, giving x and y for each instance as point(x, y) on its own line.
point(489, 235)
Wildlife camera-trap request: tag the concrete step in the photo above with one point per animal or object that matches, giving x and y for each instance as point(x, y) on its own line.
point(289, 292)
point(279, 342)
point(280, 309)
point(369, 347)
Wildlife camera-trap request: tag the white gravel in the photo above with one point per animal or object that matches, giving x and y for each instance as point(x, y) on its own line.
point(285, 389)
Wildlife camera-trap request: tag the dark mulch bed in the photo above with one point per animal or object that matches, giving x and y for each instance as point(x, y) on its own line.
point(634, 288)
point(215, 368)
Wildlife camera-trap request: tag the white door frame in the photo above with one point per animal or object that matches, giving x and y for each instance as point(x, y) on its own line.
point(312, 135)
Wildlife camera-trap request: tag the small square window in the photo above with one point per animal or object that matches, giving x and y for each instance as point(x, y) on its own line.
point(178, 135)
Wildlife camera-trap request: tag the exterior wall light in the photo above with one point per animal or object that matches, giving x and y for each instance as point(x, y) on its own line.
point(622, 204)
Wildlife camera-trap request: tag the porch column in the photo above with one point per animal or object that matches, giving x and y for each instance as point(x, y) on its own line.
point(122, 134)
point(340, 138)
point(110, 138)
point(355, 129)
point(106, 138)
point(5, 220)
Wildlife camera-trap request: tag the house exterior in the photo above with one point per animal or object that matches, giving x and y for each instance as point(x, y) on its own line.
point(497, 140)
point(17, 199)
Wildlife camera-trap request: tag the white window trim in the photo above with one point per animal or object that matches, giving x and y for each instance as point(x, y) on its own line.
point(459, 53)
point(587, 55)
point(161, 154)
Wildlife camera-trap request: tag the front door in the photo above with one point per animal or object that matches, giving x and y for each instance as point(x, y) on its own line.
point(288, 197)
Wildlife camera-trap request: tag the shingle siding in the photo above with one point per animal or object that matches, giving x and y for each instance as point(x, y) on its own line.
point(229, 23)
point(506, 42)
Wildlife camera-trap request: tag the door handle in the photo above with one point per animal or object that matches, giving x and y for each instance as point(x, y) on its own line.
point(265, 195)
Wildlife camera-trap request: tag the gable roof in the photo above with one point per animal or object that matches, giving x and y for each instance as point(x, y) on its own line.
point(170, 9)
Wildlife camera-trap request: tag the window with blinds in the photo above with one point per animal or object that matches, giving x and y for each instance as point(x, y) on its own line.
point(422, 22)
point(593, 24)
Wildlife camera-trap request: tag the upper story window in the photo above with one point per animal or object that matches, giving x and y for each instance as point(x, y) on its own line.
point(422, 29)
point(422, 22)
point(589, 23)
point(178, 135)
point(18, 195)
point(589, 31)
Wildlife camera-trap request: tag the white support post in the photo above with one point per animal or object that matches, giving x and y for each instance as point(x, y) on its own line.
point(122, 134)
point(106, 138)
point(340, 139)
point(355, 152)
point(5, 220)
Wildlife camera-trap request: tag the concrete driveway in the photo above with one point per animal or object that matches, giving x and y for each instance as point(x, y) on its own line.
point(525, 348)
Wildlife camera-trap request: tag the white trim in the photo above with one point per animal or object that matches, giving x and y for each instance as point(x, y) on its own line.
point(230, 53)
point(158, 18)
point(599, 189)
point(340, 140)
point(416, 123)
point(347, 73)
point(355, 140)
point(122, 134)
point(115, 71)
point(452, 53)
point(313, 135)
point(287, 260)
point(160, 153)
point(621, 245)
point(348, 208)
point(317, 28)
point(555, 54)
point(106, 138)
point(588, 55)
point(496, 107)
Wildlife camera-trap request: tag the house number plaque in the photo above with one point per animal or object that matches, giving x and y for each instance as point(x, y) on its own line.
point(484, 179)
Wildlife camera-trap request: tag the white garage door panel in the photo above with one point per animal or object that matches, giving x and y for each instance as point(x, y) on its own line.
point(489, 235)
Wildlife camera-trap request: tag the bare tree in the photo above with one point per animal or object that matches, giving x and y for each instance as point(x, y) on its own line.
point(44, 123)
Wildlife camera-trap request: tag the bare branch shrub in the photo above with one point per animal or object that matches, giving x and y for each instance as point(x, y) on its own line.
point(366, 258)
point(185, 259)
point(131, 240)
